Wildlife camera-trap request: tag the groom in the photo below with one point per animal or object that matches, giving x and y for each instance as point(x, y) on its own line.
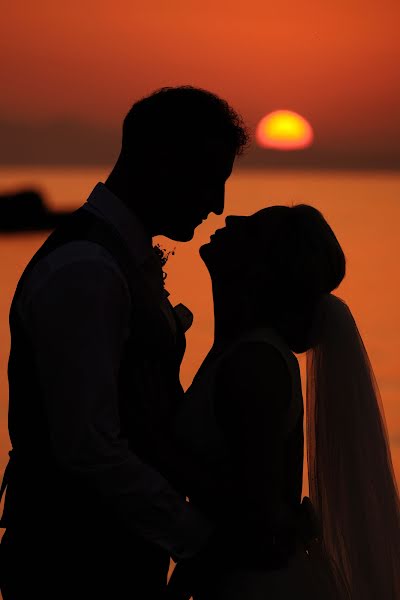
point(94, 367)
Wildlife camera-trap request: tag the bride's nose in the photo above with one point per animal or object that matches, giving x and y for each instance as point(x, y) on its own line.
point(233, 220)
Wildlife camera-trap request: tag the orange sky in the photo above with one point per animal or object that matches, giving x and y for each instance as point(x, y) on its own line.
point(336, 63)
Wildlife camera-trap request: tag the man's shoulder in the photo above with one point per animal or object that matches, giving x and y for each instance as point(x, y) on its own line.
point(67, 261)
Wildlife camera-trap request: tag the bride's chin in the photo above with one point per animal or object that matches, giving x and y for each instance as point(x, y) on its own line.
point(204, 250)
point(206, 254)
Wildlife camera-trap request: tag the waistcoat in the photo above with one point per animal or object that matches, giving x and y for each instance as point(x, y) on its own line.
point(38, 491)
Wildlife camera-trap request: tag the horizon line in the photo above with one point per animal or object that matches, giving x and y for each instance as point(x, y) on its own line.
point(238, 166)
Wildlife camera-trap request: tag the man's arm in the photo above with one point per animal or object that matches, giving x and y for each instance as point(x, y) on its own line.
point(78, 322)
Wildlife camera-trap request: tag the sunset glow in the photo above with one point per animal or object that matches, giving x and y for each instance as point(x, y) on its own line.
point(284, 130)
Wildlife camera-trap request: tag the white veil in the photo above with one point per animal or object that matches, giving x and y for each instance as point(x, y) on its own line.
point(351, 479)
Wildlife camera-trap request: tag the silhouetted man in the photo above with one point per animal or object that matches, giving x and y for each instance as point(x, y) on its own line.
point(94, 367)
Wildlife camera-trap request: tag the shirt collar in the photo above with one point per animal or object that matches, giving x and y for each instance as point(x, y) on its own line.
point(131, 229)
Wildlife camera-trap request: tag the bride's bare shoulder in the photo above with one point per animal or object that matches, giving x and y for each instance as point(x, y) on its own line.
point(256, 367)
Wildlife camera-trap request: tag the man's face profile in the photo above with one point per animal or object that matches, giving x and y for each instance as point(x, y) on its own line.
point(193, 185)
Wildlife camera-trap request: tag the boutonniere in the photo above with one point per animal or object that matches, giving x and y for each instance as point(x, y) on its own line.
point(163, 255)
point(184, 315)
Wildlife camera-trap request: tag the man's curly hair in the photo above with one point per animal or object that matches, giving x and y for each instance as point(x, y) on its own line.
point(184, 115)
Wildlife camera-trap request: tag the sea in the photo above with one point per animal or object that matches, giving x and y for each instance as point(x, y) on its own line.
point(362, 207)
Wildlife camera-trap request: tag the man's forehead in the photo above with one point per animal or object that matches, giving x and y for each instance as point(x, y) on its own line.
point(217, 152)
point(207, 153)
point(217, 145)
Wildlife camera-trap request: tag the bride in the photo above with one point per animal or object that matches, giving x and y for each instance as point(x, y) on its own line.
point(272, 276)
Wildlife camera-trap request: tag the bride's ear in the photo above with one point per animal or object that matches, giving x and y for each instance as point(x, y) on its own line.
point(253, 291)
point(259, 281)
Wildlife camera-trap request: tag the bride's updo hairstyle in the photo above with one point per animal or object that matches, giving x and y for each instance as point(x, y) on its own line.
point(300, 261)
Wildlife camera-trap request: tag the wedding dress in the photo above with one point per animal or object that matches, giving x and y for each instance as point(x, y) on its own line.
point(305, 572)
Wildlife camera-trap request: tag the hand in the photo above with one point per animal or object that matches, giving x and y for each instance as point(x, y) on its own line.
point(191, 572)
point(180, 584)
point(308, 525)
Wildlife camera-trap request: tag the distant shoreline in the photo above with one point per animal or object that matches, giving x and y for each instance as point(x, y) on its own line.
point(238, 166)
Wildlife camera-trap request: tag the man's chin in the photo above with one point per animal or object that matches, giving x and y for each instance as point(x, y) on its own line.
point(180, 235)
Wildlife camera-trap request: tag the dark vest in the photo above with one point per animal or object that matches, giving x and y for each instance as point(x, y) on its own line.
point(38, 490)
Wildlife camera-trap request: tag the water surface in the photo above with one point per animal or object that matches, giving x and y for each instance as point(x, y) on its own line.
point(362, 208)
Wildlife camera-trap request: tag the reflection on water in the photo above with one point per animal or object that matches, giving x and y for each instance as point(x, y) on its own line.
point(362, 208)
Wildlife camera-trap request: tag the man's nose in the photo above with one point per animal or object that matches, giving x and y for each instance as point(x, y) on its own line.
point(232, 219)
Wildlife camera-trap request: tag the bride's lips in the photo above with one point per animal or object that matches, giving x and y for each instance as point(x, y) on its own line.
point(217, 232)
point(199, 220)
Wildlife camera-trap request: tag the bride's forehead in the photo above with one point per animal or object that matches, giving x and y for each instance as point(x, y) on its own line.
point(262, 213)
point(269, 215)
point(262, 220)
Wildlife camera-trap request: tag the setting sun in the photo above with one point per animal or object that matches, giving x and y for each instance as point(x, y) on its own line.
point(284, 130)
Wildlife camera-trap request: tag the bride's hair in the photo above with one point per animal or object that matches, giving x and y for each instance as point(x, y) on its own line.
point(351, 478)
point(304, 261)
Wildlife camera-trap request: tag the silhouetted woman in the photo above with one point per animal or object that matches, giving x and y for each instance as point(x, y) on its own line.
point(272, 275)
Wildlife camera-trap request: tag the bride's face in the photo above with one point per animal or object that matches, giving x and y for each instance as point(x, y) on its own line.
point(232, 250)
point(242, 249)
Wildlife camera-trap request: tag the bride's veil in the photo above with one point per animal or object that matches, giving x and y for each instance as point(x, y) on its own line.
point(351, 479)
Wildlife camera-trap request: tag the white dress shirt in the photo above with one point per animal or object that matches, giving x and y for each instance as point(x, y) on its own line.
point(76, 307)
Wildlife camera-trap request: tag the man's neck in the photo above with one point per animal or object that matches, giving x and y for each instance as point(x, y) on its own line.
point(128, 197)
